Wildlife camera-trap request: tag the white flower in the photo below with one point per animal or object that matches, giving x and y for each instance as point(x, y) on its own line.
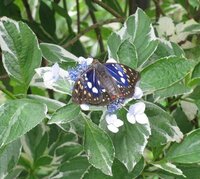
point(167, 29)
point(51, 75)
point(136, 114)
point(85, 107)
point(113, 123)
point(82, 60)
point(166, 26)
point(138, 93)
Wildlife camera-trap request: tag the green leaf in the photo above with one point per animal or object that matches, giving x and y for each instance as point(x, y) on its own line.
point(195, 4)
point(127, 54)
point(10, 10)
point(18, 117)
point(118, 169)
point(41, 146)
point(58, 137)
point(188, 151)
point(182, 121)
point(20, 49)
point(94, 173)
point(65, 114)
point(99, 147)
point(55, 53)
point(61, 11)
point(130, 141)
point(52, 104)
point(196, 96)
point(34, 141)
point(168, 167)
point(196, 75)
point(139, 167)
point(13, 173)
point(196, 71)
point(163, 126)
point(47, 18)
point(164, 73)
point(190, 171)
point(174, 90)
point(143, 35)
point(115, 6)
point(114, 41)
point(166, 48)
point(9, 155)
point(139, 31)
point(74, 168)
point(68, 150)
point(42, 161)
point(192, 29)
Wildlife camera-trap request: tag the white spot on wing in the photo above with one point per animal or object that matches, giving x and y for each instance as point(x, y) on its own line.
point(89, 84)
point(120, 73)
point(103, 90)
point(123, 80)
point(98, 82)
point(94, 90)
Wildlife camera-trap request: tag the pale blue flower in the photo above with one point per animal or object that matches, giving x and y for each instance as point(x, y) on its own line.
point(83, 65)
point(136, 114)
point(113, 123)
point(138, 93)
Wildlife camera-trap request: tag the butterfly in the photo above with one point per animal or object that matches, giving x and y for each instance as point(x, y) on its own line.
point(101, 84)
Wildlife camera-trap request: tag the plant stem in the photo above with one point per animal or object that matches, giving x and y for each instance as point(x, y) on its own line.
point(98, 24)
point(132, 6)
point(8, 93)
point(78, 16)
point(107, 8)
point(159, 11)
point(97, 31)
point(28, 10)
point(67, 19)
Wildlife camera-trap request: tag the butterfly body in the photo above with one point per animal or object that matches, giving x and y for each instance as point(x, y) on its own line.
point(102, 84)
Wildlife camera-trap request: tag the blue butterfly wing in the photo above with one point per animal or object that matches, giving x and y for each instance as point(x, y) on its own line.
point(118, 73)
point(88, 90)
point(125, 77)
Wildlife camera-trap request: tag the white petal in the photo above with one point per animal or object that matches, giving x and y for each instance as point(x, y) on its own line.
point(49, 84)
point(112, 128)
point(131, 118)
point(138, 93)
point(48, 76)
point(142, 118)
point(138, 83)
point(89, 61)
point(166, 26)
point(81, 59)
point(111, 118)
point(137, 108)
point(55, 69)
point(111, 60)
point(85, 107)
point(63, 73)
point(118, 123)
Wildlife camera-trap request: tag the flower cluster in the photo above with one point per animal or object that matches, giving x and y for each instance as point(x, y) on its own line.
point(81, 67)
point(135, 113)
point(51, 75)
point(175, 32)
